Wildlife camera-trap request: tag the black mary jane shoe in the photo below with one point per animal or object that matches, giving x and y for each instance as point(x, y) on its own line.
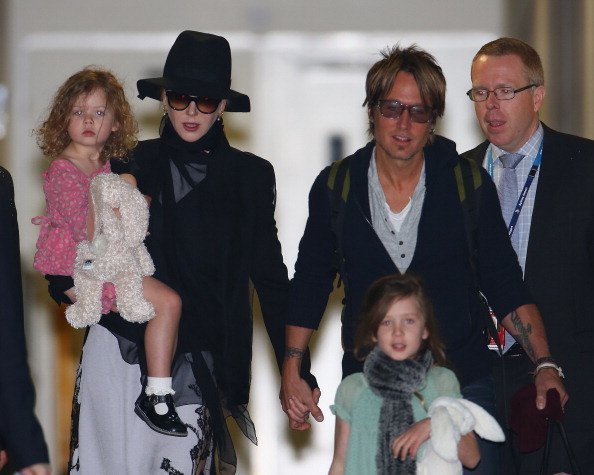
point(168, 423)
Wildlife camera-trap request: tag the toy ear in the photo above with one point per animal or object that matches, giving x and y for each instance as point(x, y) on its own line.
point(486, 426)
point(134, 212)
point(444, 435)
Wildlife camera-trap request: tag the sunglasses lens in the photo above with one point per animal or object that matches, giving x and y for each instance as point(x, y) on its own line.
point(206, 105)
point(178, 101)
point(391, 109)
point(420, 114)
point(394, 109)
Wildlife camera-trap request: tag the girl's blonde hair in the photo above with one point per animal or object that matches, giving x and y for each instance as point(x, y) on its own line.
point(378, 300)
point(52, 135)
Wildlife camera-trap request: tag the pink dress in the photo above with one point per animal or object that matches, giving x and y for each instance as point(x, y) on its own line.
point(66, 191)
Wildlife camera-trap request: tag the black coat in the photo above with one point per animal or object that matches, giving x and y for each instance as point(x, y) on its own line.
point(225, 237)
point(560, 272)
point(20, 432)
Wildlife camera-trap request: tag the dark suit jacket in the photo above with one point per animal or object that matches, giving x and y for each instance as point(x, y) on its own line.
point(20, 432)
point(560, 270)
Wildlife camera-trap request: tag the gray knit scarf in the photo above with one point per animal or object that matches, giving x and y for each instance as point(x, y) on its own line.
point(395, 382)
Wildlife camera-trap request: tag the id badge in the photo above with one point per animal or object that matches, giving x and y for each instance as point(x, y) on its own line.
point(492, 345)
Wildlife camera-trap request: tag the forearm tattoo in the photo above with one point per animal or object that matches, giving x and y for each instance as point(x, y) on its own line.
point(522, 334)
point(292, 352)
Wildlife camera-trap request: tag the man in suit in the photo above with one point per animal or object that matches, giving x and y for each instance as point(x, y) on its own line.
point(21, 438)
point(553, 234)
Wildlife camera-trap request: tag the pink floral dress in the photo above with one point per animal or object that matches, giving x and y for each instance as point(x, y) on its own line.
point(66, 191)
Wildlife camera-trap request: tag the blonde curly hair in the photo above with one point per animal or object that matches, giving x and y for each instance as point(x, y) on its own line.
point(52, 135)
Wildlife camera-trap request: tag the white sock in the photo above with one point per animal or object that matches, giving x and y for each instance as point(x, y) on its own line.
point(159, 387)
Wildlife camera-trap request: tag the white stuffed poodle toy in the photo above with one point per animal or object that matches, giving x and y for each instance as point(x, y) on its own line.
point(116, 254)
point(451, 418)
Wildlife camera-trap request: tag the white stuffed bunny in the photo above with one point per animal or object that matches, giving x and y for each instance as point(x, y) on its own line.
point(116, 254)
point(451, 418)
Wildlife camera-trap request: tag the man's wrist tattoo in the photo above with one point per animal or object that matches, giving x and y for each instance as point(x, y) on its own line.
point(523, 335)
point(292, 352)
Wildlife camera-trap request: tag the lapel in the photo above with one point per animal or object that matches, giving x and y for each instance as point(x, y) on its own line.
point(478, 153)
point(557, 195)
point(544, 198)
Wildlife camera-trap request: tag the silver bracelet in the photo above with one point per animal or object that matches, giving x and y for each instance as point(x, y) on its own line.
point(549, 364)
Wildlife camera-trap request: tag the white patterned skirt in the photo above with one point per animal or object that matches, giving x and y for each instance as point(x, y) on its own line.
point(109, 438)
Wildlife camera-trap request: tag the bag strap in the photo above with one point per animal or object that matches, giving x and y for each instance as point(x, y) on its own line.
point(544, 468)
point(468, 181)
point(339, 184)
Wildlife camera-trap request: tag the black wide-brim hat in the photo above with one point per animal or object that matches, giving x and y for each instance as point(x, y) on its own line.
point(198, 64)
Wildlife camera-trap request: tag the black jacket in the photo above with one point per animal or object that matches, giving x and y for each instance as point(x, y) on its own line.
point(20, 432)
point(224, 234)
point(441, 259)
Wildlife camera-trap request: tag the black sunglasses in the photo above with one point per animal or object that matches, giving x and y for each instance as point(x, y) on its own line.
point(394, 109)
point(180, 102)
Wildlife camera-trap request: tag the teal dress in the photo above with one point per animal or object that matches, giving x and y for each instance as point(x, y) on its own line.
point(359, 406)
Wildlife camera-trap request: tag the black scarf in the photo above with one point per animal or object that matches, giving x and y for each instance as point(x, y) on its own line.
point(190, 163)
point(395, 382)
point(191, 151)
point(190, 158)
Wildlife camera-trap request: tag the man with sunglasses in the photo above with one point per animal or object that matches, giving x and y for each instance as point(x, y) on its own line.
point(550, 217)
point(403, 214)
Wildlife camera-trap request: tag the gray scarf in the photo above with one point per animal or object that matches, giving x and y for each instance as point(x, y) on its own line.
point(395, 382)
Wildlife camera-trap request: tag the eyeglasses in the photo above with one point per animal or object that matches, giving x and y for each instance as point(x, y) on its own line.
point(180, 102)
point(500, 93)
point(394, 109)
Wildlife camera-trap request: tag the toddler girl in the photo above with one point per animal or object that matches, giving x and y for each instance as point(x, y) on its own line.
point(90, 121)
point(381, 413)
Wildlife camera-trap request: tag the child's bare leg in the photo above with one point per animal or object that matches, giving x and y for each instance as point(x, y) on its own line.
point(155, 404)
point(160, 338)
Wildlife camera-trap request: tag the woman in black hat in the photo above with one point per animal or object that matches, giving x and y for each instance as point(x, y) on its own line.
point(212, 230)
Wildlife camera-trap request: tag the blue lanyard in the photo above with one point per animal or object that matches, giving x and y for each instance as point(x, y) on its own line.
point(531, 174)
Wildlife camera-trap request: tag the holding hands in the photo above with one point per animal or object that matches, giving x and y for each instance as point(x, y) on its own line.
point(35, 469)
point(298, 400)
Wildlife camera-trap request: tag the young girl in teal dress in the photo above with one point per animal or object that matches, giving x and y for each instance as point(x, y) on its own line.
point(381, 413)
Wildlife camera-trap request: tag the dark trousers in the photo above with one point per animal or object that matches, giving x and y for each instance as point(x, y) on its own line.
point(510, 373)
point(482, 392)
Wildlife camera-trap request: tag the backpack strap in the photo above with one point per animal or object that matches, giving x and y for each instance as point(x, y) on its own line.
point(339, 184)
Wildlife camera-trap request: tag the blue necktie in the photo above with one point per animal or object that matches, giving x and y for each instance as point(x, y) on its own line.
point(508, 197)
